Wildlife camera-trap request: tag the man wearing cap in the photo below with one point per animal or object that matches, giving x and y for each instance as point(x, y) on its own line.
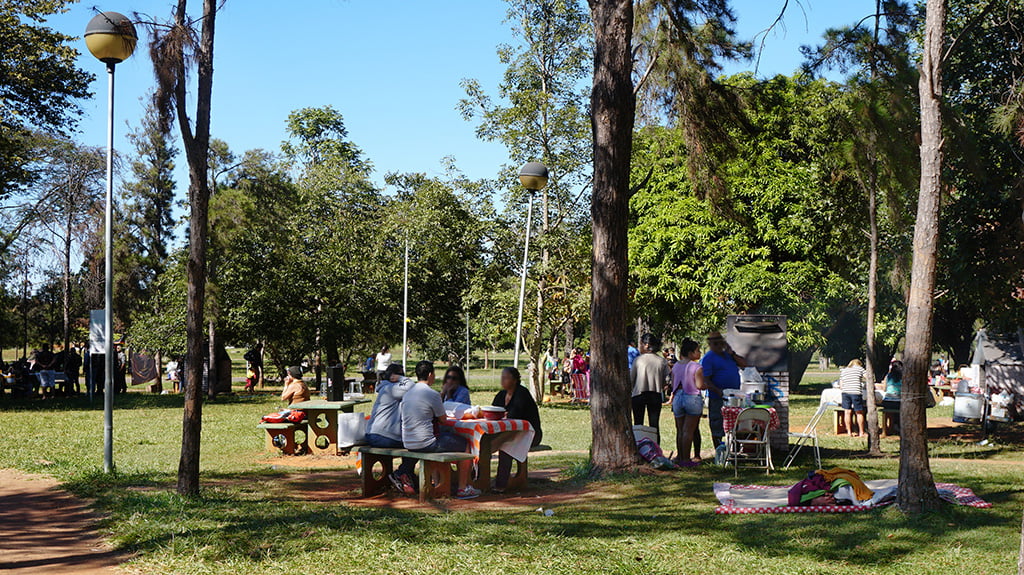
point(721, 367)
point(295, 390)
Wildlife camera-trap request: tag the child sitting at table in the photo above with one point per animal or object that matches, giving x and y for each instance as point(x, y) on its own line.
point(518, 404)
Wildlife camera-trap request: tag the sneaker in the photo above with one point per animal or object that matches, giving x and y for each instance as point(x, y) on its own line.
point(395, 481)
point(403, 483)
point(467, 492)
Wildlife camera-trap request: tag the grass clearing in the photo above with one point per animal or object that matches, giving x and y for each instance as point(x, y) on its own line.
point(257, 519)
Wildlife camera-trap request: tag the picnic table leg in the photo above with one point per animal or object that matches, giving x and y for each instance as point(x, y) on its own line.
point(428, 489)
point(371, 485)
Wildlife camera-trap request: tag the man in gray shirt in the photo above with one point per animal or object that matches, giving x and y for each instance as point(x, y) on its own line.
point(422, 414)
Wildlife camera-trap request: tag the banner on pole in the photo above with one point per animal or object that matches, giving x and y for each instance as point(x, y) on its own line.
point(97, 341)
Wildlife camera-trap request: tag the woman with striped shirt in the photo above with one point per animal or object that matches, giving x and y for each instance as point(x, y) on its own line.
point(851, 384)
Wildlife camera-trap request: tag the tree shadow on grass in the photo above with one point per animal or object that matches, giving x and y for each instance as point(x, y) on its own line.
point(244, 516)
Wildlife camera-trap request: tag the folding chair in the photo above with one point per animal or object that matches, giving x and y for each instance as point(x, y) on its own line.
point(809, 434)
point(748, 440)
point(580, 388)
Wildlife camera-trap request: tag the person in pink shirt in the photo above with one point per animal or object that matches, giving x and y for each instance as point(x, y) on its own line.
point(687, 401)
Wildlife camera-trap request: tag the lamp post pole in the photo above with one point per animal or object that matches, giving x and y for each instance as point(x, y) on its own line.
point(405, 309)
point(522, 280)
point(533, 176)
point(111, 38)
point(108, 287)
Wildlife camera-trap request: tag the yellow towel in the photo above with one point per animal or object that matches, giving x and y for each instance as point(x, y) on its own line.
point(862, 491)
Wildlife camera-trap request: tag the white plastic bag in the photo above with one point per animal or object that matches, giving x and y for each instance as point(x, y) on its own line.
point(351, 429)
point(456, 410)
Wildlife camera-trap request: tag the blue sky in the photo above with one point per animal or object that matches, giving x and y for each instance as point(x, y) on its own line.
point(392, 67)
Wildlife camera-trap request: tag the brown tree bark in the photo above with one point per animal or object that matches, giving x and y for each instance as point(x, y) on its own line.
point(874, 442)
point(871, 359)
point(612, 114)
point(197, 149)
point(1020, 555)
point(917, 492)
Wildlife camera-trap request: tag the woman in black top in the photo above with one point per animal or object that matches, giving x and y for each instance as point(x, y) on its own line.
point(518, 404)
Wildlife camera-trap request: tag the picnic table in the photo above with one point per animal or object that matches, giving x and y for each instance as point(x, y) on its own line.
point(323, 422)
point(729, 415)
point(511, 436)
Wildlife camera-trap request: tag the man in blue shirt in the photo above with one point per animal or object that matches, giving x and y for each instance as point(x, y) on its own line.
point(721, 371)
point(632, 353)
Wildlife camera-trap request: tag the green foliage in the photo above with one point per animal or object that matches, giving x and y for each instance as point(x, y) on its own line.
point(144, 226)
point(782, 241)
point(160, 326)
point(981, 223)
point(541, 116)
point(39, 84)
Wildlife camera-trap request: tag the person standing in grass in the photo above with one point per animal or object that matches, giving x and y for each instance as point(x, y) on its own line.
point(647, 376)
point(851, 384)
point(518, 404)
point(383, 361)
point(687, 401)
point(295, 390)
point(721, 367)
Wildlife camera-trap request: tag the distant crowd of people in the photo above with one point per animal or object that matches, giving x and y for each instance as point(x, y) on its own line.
point(47, 373)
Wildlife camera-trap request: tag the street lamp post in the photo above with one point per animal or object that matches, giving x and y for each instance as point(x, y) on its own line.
point(533, 176)
point(405, 308)
point(111, 38)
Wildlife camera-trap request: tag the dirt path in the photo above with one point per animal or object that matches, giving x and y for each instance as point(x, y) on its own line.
point(44, 529)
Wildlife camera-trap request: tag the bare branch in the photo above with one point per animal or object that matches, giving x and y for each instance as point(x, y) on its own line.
point(974, 22)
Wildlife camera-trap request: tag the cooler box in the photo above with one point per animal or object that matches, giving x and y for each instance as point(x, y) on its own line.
point(968, 407)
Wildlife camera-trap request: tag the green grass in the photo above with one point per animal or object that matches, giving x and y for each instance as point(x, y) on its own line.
point(251, 521)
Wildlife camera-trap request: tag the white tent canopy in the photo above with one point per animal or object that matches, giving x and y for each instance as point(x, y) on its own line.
point(999, 362)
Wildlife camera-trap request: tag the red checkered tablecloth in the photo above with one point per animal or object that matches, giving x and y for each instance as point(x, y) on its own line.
point(515, 444)
point(729, 415)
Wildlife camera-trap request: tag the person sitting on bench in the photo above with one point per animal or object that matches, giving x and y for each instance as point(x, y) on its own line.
point(422, 412)
point(295, 390)
point(518, 404)
point(385, 426)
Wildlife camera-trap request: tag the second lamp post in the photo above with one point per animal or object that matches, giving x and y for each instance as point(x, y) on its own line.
point(533, 176)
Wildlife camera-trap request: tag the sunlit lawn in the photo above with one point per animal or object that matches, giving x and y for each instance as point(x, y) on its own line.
point(648, 523)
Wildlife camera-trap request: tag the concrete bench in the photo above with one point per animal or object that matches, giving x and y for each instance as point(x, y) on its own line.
point(286, 432)
point(431, 465)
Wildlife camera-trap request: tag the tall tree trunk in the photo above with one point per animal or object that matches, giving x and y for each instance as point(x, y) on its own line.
point(1020, 556)
point(917, 492)
point(613, 107)
point(874, 442)
point(197, 151)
